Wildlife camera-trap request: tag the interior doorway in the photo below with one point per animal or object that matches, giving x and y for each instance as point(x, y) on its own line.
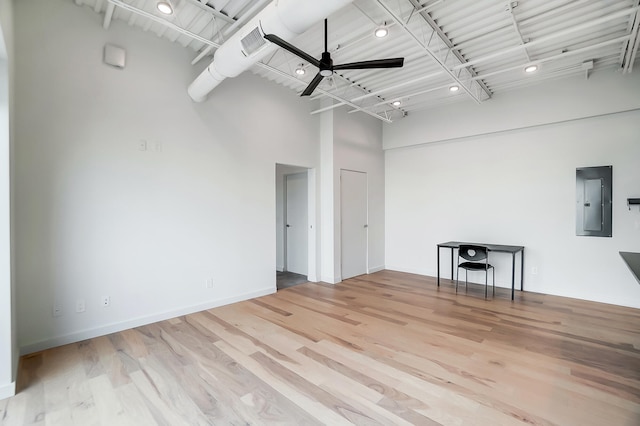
point(295, 234)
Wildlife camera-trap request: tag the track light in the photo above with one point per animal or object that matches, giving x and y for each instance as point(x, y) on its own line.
point(382, 31)
point(165, 7)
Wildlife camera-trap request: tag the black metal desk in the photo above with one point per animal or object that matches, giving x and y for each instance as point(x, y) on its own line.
point(491, 247)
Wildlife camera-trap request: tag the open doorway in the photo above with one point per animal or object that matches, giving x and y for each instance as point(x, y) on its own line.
point(295, 247)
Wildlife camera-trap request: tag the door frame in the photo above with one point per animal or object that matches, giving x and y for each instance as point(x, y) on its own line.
point(312, 257)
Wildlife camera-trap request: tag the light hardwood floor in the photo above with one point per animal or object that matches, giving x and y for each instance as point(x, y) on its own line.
point(388, 348)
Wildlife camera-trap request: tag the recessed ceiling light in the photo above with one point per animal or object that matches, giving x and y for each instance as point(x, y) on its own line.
point(531, 68)
point(454, 88)
point(396, 103)
point(382, 31)
point(300, 70)
point(165, 7)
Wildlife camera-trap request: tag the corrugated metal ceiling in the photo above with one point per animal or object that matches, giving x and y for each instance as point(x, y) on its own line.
point(480, 46)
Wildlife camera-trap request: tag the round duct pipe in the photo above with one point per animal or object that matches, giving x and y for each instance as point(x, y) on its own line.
point(285, 18)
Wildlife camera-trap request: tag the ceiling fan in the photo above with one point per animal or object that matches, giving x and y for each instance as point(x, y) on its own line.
point(325, 64)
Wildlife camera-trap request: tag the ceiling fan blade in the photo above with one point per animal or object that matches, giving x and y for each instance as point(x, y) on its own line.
point(377, 63)
point(291, 48)
point(312, 86)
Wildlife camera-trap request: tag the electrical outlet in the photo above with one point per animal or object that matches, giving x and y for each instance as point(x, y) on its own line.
point(80, 307)
point(57, 309)
point(209, 283)
point(534, 270)
point(106, 301)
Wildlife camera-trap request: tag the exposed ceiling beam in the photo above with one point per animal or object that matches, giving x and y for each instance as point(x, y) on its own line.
point(386, 89)
point(632, 46)
point(166, 23)
point(550, 37)
point(331, 95)
point(516, 26)
point(518, 67)
point(108, 15)
point(521, 66)
point(212, 10)
point(231, 28)
point(423, 12)
point(472, 88)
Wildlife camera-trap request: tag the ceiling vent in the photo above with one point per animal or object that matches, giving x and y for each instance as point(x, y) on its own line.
point(252, 42)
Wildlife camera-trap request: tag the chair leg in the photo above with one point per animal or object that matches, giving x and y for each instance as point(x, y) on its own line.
point(494, 281)
point(466, 280)
point(486, 281)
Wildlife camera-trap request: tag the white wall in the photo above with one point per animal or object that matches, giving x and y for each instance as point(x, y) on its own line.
point(358, 147)
point(604, 92)
point(8, 346)
point(463, 175)
point(96, 216)
point(352, 142)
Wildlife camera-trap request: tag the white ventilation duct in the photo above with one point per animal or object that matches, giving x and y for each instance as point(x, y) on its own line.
point(284, 18)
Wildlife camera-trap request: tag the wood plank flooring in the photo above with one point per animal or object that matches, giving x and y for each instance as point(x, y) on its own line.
point(387, 348)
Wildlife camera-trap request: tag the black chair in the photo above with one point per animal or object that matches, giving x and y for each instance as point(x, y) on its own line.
point(473, 256)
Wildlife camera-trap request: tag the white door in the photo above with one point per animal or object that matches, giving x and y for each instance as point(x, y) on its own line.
point(353, 219)
point(296, 223)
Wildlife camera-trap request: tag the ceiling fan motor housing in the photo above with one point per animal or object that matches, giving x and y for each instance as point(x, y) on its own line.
point(326, 65)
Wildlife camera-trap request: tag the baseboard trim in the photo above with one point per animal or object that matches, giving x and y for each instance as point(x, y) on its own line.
point(408, 270)
point(136, 322)
point(8, 390)
point(376, 269)
point(331, 280)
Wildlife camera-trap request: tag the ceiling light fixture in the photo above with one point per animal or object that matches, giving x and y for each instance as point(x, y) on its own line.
point(454, 88)
point(165, 7)
point(382, 31)
point(300, 70)
point(396, 103)
point(531, 68)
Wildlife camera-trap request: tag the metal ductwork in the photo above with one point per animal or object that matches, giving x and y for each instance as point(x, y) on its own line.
point(285, 18)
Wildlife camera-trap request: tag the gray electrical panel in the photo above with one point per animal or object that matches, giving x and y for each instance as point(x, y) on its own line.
point(594, 201)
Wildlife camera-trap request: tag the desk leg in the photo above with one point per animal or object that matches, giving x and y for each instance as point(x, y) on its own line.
point(513, 274)
point(438, 249)
point(522, 270)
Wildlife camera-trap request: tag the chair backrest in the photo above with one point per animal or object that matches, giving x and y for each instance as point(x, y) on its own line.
point(472, 253)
